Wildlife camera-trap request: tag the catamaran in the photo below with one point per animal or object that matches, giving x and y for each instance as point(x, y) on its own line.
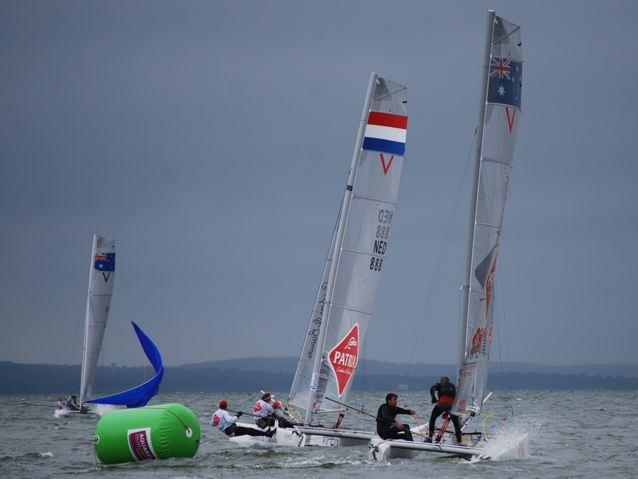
point(351, 273)
point(499, 117)
point(98, 306)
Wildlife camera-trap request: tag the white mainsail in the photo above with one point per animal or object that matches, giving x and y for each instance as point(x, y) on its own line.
point(498, 125)
point(350, 279)
point(98, 304)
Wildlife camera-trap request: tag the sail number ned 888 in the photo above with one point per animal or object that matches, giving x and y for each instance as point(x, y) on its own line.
point(381, 239)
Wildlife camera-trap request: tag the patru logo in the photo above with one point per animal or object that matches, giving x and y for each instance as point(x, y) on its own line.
point(344, 357)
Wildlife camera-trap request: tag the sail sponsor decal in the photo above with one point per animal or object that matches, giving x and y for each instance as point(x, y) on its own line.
point(385, 132)
point(140, 445)
point(505, 83)
point(343, 358)
point(481, 341)
point(104, 262)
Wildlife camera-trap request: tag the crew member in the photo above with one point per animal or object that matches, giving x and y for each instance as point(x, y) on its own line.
point(225, 422)
point(387, 425)
point(72, 403)
point(443, 404)
point(283, 418)
point(60, 404)
point(264, 412)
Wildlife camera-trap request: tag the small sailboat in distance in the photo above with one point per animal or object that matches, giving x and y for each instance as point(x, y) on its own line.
point(499, 119)
point(351, 273)
point(98, 306)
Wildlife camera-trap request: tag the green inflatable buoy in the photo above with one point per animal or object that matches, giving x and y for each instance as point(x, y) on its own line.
point(151, 432)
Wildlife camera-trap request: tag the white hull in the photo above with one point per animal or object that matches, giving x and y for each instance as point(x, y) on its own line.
point(302, 437)
point(381, 450)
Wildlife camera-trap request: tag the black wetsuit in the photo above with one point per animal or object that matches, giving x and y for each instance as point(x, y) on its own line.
point(386, 428)
point(446, 392)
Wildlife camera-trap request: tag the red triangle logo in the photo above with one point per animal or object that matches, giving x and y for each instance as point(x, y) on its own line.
point(385, 167)
point(343, 358)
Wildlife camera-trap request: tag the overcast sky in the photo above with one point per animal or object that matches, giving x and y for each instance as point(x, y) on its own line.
point(212, 141)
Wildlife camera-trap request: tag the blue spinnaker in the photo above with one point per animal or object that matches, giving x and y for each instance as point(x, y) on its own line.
point(139, 396)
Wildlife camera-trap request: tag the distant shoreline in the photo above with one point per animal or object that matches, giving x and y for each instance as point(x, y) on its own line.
point(276, 374)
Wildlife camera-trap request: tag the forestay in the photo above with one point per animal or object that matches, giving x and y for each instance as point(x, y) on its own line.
point(98, 304)
point(499, 125)
point(359, 246)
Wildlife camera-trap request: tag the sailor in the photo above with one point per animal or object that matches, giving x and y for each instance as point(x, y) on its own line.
point(443, 405)
point(264, 412)
point(387, 425)
point(72, 403)
point(60, 404)
point(226, 423)
point(283, 418)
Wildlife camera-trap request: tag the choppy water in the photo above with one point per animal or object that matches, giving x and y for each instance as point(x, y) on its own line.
point(589, 434)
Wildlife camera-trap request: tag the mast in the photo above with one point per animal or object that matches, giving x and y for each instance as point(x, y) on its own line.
point(345, 205)
point(83, 384)
point(465, 288)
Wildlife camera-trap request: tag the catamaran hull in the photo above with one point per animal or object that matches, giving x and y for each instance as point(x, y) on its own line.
point(400, 449)
point(302, 437)
point(380, 450)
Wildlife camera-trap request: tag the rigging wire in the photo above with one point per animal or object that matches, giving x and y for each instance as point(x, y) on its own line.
point(438, 270)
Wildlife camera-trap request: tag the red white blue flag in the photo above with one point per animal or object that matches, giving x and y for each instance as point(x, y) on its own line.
point(386, 132)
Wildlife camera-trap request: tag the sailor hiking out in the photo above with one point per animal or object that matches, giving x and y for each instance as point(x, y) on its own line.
point(446, 392)
point(387, 425)
point(226, 423)
point(284, 419)
point(264, 412)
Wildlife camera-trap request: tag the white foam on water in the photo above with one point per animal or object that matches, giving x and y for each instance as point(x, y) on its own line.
point(507, 444)
point(60, 413)
point(46, 454)
point(102, 409)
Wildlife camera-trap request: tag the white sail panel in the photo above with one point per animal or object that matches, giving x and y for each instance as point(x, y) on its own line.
point(364, 247)
point(500, 126)
point(98, 304)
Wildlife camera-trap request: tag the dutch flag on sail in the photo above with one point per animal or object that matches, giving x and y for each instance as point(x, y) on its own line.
point(386, 132)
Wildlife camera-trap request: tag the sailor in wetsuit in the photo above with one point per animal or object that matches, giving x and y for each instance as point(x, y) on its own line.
point(226, 423)
point(446, 393)
point(72, 403)
point(387, 425)
point(264, 412)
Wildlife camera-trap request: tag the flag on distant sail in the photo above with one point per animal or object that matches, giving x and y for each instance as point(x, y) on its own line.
point(385, 132)
point(506, 81)
point(485, 267)
point(105, 262)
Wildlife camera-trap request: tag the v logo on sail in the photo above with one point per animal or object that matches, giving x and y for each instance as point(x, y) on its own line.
point(510, 120)
point(385, 167)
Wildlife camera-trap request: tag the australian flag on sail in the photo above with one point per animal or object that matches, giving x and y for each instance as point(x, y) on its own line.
point(484, 268)
point(506, 81)
point(105, 262)
point(385, 132)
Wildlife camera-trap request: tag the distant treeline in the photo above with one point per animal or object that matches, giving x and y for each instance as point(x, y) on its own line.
point(237, 375)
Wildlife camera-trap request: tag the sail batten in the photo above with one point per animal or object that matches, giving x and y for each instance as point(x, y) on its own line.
point(350, 279)
point(498, 126)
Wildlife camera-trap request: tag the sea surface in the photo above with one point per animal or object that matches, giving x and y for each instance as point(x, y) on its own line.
point(588, 434)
